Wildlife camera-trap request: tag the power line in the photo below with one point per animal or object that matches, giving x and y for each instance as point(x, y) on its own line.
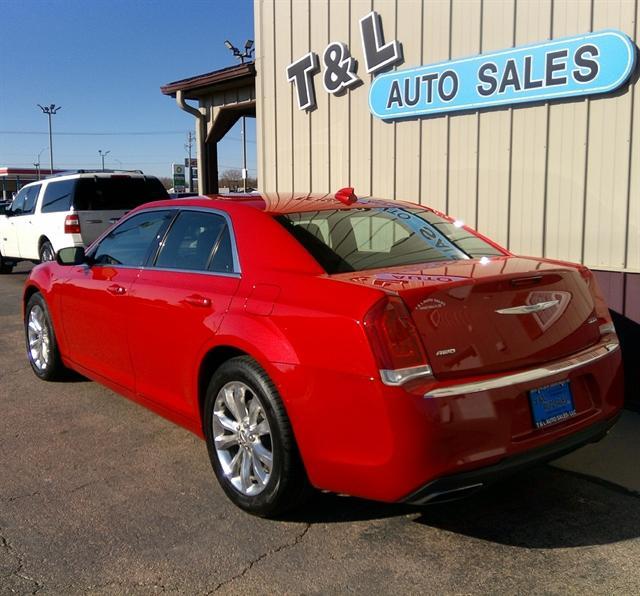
point(128, 133)
point(112, 134)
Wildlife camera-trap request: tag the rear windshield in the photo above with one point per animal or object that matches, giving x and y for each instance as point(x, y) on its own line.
point(116, 193)
point(372, 238)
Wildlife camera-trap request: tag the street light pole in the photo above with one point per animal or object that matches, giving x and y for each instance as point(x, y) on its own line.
point(50, 110)
point(103, 154)
point(242, 56)
point(244, 155)
point(37, 163)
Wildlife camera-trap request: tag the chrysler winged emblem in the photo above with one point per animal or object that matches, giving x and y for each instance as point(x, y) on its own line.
point(526, 309)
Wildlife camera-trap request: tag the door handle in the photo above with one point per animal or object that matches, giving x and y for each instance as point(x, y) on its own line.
point(116, 290)
point(197, 300)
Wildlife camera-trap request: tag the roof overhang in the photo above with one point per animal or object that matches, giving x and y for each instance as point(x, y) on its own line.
point(218, 80)
point(43, 171)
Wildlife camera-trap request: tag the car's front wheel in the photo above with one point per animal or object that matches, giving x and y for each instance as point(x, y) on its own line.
point(250, 440)
point(42, 347)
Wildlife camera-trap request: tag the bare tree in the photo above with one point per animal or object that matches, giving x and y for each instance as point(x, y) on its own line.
point(232, 179)
point(166, 182)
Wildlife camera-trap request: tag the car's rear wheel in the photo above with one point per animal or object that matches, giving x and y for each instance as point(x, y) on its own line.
point(250, 440)
point(42, 347)
point(46, 252)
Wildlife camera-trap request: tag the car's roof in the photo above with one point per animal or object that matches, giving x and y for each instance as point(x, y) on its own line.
point(276, 202)
point(90, 174)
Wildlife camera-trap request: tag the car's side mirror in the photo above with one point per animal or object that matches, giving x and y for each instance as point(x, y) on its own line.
point(72, 255)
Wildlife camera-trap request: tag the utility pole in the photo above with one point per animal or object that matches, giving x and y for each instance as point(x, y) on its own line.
point(188, 145)
point(50, 110)
point(103, 154)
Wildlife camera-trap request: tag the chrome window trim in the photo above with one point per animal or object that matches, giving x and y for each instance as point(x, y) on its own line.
point(167, 270)
point(195, 271)
point(237, 271)
point(578, 360)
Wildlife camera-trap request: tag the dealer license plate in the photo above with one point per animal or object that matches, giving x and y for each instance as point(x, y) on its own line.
point(551, 404)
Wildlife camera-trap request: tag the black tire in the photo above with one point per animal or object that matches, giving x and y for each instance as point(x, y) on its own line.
point(46, 252)
point(5, 267)
point(287, 486)
point(51, 368)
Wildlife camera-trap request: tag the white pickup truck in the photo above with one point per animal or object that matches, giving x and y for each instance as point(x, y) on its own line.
point(69, 209)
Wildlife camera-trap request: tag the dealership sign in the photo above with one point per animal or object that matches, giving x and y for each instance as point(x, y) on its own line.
point(583, 65)
point(587, 64)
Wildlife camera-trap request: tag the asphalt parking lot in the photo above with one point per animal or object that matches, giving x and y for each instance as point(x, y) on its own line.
point(100, 496)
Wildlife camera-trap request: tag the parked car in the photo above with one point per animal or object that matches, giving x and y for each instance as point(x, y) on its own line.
point(70, 209)
point(368, 347)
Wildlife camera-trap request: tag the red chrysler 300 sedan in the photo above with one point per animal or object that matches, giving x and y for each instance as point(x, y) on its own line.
point(368, 347)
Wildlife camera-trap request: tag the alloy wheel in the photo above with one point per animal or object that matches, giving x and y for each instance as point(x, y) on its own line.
point(46, 252)
point(38, 336)
point(242, 438)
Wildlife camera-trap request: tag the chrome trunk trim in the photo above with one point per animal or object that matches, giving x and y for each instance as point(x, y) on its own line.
point(526, 309)
point(561, 366)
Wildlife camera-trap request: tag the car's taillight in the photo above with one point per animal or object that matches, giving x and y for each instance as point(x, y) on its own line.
point(71, 224)
point(601, 309)
point(395, 342)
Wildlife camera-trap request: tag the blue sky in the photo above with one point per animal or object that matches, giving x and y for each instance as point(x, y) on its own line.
point(104, 61)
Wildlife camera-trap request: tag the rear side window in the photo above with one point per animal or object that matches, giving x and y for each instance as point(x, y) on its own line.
point(197, 241)
point(131, 243)
point(58, 196)
point(372, 238)
point(116, 193)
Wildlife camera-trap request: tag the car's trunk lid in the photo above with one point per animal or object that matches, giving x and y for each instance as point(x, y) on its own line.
point(482, 316)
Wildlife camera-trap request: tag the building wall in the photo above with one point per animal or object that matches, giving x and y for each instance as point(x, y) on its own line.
point(560, 179)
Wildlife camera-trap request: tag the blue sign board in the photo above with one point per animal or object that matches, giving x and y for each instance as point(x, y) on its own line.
point(574, 66)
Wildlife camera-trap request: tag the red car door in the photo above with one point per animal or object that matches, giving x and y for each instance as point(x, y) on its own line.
point(95, 301)
point(177, 305)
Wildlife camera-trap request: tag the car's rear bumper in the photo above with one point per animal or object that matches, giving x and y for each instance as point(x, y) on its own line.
point(397, 441)
point(459, 485)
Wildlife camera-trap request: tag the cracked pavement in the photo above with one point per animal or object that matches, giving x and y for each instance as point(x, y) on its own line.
point(100, 496)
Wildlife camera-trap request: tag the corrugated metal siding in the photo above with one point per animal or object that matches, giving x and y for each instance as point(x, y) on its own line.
point(559, 179)
point(528, 166)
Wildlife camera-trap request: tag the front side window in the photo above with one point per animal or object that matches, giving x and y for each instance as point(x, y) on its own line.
point(58, 196)
point(197, 241)
point(131, 243)
point(370, 238)
point(17, 205)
